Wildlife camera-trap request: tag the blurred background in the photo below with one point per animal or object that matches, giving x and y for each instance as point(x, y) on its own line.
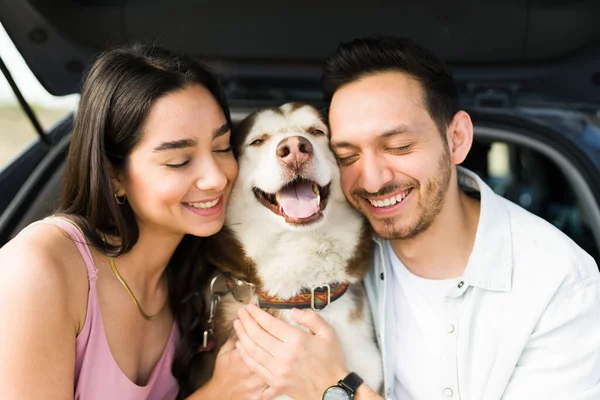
point(16, 131)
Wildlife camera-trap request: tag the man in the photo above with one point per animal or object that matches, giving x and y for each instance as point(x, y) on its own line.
point(472, 296)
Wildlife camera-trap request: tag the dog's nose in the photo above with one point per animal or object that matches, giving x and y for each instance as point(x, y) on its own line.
point(294, 151)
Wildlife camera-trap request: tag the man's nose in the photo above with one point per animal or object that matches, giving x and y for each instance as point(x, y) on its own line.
point(294, 151)
point(376, 173)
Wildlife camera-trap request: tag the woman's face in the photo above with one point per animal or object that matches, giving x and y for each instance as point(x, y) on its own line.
point(178, 178)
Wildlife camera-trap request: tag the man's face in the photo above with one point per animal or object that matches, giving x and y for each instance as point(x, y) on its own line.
point(395, 166)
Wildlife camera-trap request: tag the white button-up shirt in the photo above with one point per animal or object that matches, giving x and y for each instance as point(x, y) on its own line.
point(523, 322)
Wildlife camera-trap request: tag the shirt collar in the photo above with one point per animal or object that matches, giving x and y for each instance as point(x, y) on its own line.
point(490, 263)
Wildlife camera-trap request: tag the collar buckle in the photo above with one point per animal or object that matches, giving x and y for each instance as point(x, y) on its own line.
point(312, 298)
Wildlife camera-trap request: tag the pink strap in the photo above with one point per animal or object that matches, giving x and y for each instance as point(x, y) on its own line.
point(79, 240)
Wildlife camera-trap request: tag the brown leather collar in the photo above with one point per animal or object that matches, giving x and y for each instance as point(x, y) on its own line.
point(317, 298)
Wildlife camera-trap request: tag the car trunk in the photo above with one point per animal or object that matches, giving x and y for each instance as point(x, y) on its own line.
point(509, 58)
point(535, 49)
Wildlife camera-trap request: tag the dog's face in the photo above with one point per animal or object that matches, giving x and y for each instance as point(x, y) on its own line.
point(288, 173)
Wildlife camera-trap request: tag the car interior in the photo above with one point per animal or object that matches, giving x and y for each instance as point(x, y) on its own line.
point(531, 180)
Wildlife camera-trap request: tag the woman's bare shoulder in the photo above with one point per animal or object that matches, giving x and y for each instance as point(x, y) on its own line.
point(43, 261)
point(36, 312)
point(42, 246)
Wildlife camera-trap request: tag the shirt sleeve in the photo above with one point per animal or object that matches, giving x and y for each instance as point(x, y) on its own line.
point(561, 360)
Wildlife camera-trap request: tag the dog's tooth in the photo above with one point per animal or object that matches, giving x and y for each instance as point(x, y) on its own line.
point(315, 188)
point(277, 197)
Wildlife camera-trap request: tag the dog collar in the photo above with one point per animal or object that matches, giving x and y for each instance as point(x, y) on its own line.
point(317, 298)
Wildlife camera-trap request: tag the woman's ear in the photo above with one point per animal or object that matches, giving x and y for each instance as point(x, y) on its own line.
point(460, 137)
point(116, 181)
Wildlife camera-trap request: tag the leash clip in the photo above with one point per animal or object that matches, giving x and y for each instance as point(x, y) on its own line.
point(207, 342)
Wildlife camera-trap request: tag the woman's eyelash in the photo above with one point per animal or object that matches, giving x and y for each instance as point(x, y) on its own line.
point(186, 162)
point(180, 165)
point(227, 150)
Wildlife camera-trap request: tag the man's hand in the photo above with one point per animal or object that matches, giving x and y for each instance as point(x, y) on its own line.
point(294, 362)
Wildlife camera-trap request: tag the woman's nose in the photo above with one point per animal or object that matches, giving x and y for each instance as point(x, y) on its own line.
point(212, 177)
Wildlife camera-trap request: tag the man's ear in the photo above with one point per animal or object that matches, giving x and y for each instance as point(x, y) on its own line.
point(460, 137)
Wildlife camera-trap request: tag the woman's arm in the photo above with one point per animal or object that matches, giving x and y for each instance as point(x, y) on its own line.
point(37, 330)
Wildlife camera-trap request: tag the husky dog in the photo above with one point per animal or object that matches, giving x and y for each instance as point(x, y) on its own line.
point(290, 237)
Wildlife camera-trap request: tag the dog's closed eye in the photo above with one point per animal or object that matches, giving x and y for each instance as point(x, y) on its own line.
point(259, 140)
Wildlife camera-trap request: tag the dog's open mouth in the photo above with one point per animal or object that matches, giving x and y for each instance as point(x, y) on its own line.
point(300, 202)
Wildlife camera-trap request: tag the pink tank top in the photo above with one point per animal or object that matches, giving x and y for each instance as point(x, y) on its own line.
point(97, 375)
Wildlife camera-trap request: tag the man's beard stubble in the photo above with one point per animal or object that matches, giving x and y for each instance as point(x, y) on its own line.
point(430, 206)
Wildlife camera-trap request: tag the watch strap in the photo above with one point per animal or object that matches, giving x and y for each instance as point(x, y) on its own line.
point(351, 382)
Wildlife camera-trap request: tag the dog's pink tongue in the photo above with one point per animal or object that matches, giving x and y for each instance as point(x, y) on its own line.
point(298, 201)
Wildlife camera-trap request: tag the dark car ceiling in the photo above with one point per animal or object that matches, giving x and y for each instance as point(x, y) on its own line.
point(274, 40)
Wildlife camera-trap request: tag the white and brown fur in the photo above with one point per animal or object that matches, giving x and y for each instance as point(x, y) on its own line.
point(260, 247)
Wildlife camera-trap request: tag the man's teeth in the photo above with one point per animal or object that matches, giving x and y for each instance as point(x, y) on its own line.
point(209, 204)
point(389, 201)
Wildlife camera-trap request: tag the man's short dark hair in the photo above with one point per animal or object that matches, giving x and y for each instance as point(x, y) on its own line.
point(367, 56)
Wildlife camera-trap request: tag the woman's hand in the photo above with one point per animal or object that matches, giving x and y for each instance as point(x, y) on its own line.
point(297, 363)
point(233, 380)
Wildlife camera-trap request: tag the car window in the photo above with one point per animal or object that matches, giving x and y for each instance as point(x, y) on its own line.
point(16, 130)
point(533, 181)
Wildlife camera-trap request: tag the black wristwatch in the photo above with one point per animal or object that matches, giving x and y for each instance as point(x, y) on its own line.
point(344, 389)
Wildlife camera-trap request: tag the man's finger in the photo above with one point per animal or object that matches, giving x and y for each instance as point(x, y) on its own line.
point(269, 394)
point(254, 382)
point(256, 332)
point(251, 349)
point(254, 365)
point(312, 321)
point(279, 329)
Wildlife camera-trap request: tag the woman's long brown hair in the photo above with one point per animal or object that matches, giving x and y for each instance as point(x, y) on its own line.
point(117, 94)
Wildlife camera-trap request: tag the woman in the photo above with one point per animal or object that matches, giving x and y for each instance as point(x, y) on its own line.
point(89, 298)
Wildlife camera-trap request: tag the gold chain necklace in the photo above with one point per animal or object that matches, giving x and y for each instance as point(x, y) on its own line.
point(126, 286)
point(135, 300)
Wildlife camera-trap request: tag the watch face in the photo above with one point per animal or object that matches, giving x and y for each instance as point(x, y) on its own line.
point(336, 393)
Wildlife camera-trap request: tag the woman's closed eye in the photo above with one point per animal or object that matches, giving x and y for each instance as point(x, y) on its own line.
point(223, 150)
point(178, 165)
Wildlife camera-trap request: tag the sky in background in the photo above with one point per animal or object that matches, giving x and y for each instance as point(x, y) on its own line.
point(32, 90)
